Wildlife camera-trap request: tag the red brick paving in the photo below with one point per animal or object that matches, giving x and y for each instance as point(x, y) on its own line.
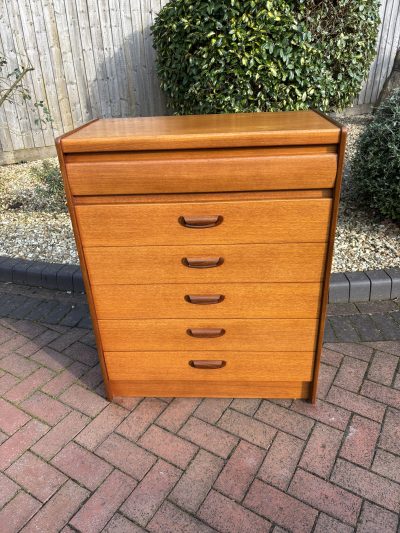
point(211, 409)
point(383, 368)
point(170, 518)
point(17, 512)
point(281, 461)
point(81, 465)
point(227, 516)
point(11, 418)
point(101, 426)
point(387, 465)
point(102, 505)
point(327, 524)
point(177, 412)
point(374, 519)
point(320, 453)
point(247, 428)
point(59, 436)
point(381, 393)
point(284, 419)
point(325, 496)
point(8, 489)
point(367, 484)
point(151, 492)
point(59, 509)
point(240, 470)
point(194, 485)
point(327, 374)
point(360, 441)
point(27, 386)
point(279, 507)
point(20, 442)
point(37, 477)
point(45, 408)
point(356, 403)
point(351, 374)
point(209, 437)
point(126, 456)
point(71, 461)
point(141, 418)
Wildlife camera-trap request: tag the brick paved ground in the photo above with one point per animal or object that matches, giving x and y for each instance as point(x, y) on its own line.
point(71, 461)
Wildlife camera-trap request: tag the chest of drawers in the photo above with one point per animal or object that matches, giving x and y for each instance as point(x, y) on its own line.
point(205, 244)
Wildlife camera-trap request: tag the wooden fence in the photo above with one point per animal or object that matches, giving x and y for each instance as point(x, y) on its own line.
point(95, 58)
point(387, 44)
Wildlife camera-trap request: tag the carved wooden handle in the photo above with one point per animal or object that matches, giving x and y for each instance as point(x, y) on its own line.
point(199, 222)
point(204, 299)
point(208, 365)
point(202, 262)
point(205, 333)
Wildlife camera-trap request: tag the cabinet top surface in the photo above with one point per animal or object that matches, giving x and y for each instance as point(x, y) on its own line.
point(202, 131)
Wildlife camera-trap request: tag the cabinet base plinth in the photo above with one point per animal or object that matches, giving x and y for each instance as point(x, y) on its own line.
point(223, 389)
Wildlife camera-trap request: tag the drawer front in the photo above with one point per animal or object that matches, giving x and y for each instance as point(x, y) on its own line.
point(226, 222)
point(218, 300)
point(253, 366)
point(219, 170)
point(235, 263)
point(187, 334)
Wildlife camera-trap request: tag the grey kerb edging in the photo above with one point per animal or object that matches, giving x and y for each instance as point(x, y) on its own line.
point(344, 287)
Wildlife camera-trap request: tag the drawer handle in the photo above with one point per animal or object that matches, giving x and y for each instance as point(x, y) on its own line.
point(204, 299)
point(200, 221)
point(205, 333)
point(207, 365)
point(202, 262)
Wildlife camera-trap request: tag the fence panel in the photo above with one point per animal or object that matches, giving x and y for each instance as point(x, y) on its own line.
point(95, 58)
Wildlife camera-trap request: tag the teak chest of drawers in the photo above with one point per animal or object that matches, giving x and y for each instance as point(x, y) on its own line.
point(205, 244)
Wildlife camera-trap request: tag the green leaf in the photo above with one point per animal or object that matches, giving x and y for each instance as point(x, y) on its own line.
point(246, 55)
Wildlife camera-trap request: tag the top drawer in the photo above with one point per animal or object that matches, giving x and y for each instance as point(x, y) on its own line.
point(191, 171)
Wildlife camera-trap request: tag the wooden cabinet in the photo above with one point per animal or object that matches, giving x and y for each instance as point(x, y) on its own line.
point(205, 244)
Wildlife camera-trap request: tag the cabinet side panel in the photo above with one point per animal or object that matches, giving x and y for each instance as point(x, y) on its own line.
point(82, 261)
point(328, 265)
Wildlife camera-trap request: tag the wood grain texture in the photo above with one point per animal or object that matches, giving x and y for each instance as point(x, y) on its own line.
point(260, 221)
point(166, 155)
point(83, 266)
point(204, 131)
point(294, 194)
point(328, 263)
point(270, 200)
point(243, 335)
point(247, 367)
point(211, 172)
point(282, 263)
point(247, 300)
point(219, 389)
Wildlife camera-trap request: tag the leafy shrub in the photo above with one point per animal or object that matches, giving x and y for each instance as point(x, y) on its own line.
point(221, 56)
point(49, 175)
point(375, 167)
point(35, 186)
point(49, 184)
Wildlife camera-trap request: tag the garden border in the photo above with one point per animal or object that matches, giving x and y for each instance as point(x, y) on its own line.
point(344, 287)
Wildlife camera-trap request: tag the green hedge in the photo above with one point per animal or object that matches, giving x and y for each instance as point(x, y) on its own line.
point(375, 168)
point(257, 55)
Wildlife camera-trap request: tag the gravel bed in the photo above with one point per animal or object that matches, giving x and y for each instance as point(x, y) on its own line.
point(35, 226)
point(363, 241)
point(50, 236)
